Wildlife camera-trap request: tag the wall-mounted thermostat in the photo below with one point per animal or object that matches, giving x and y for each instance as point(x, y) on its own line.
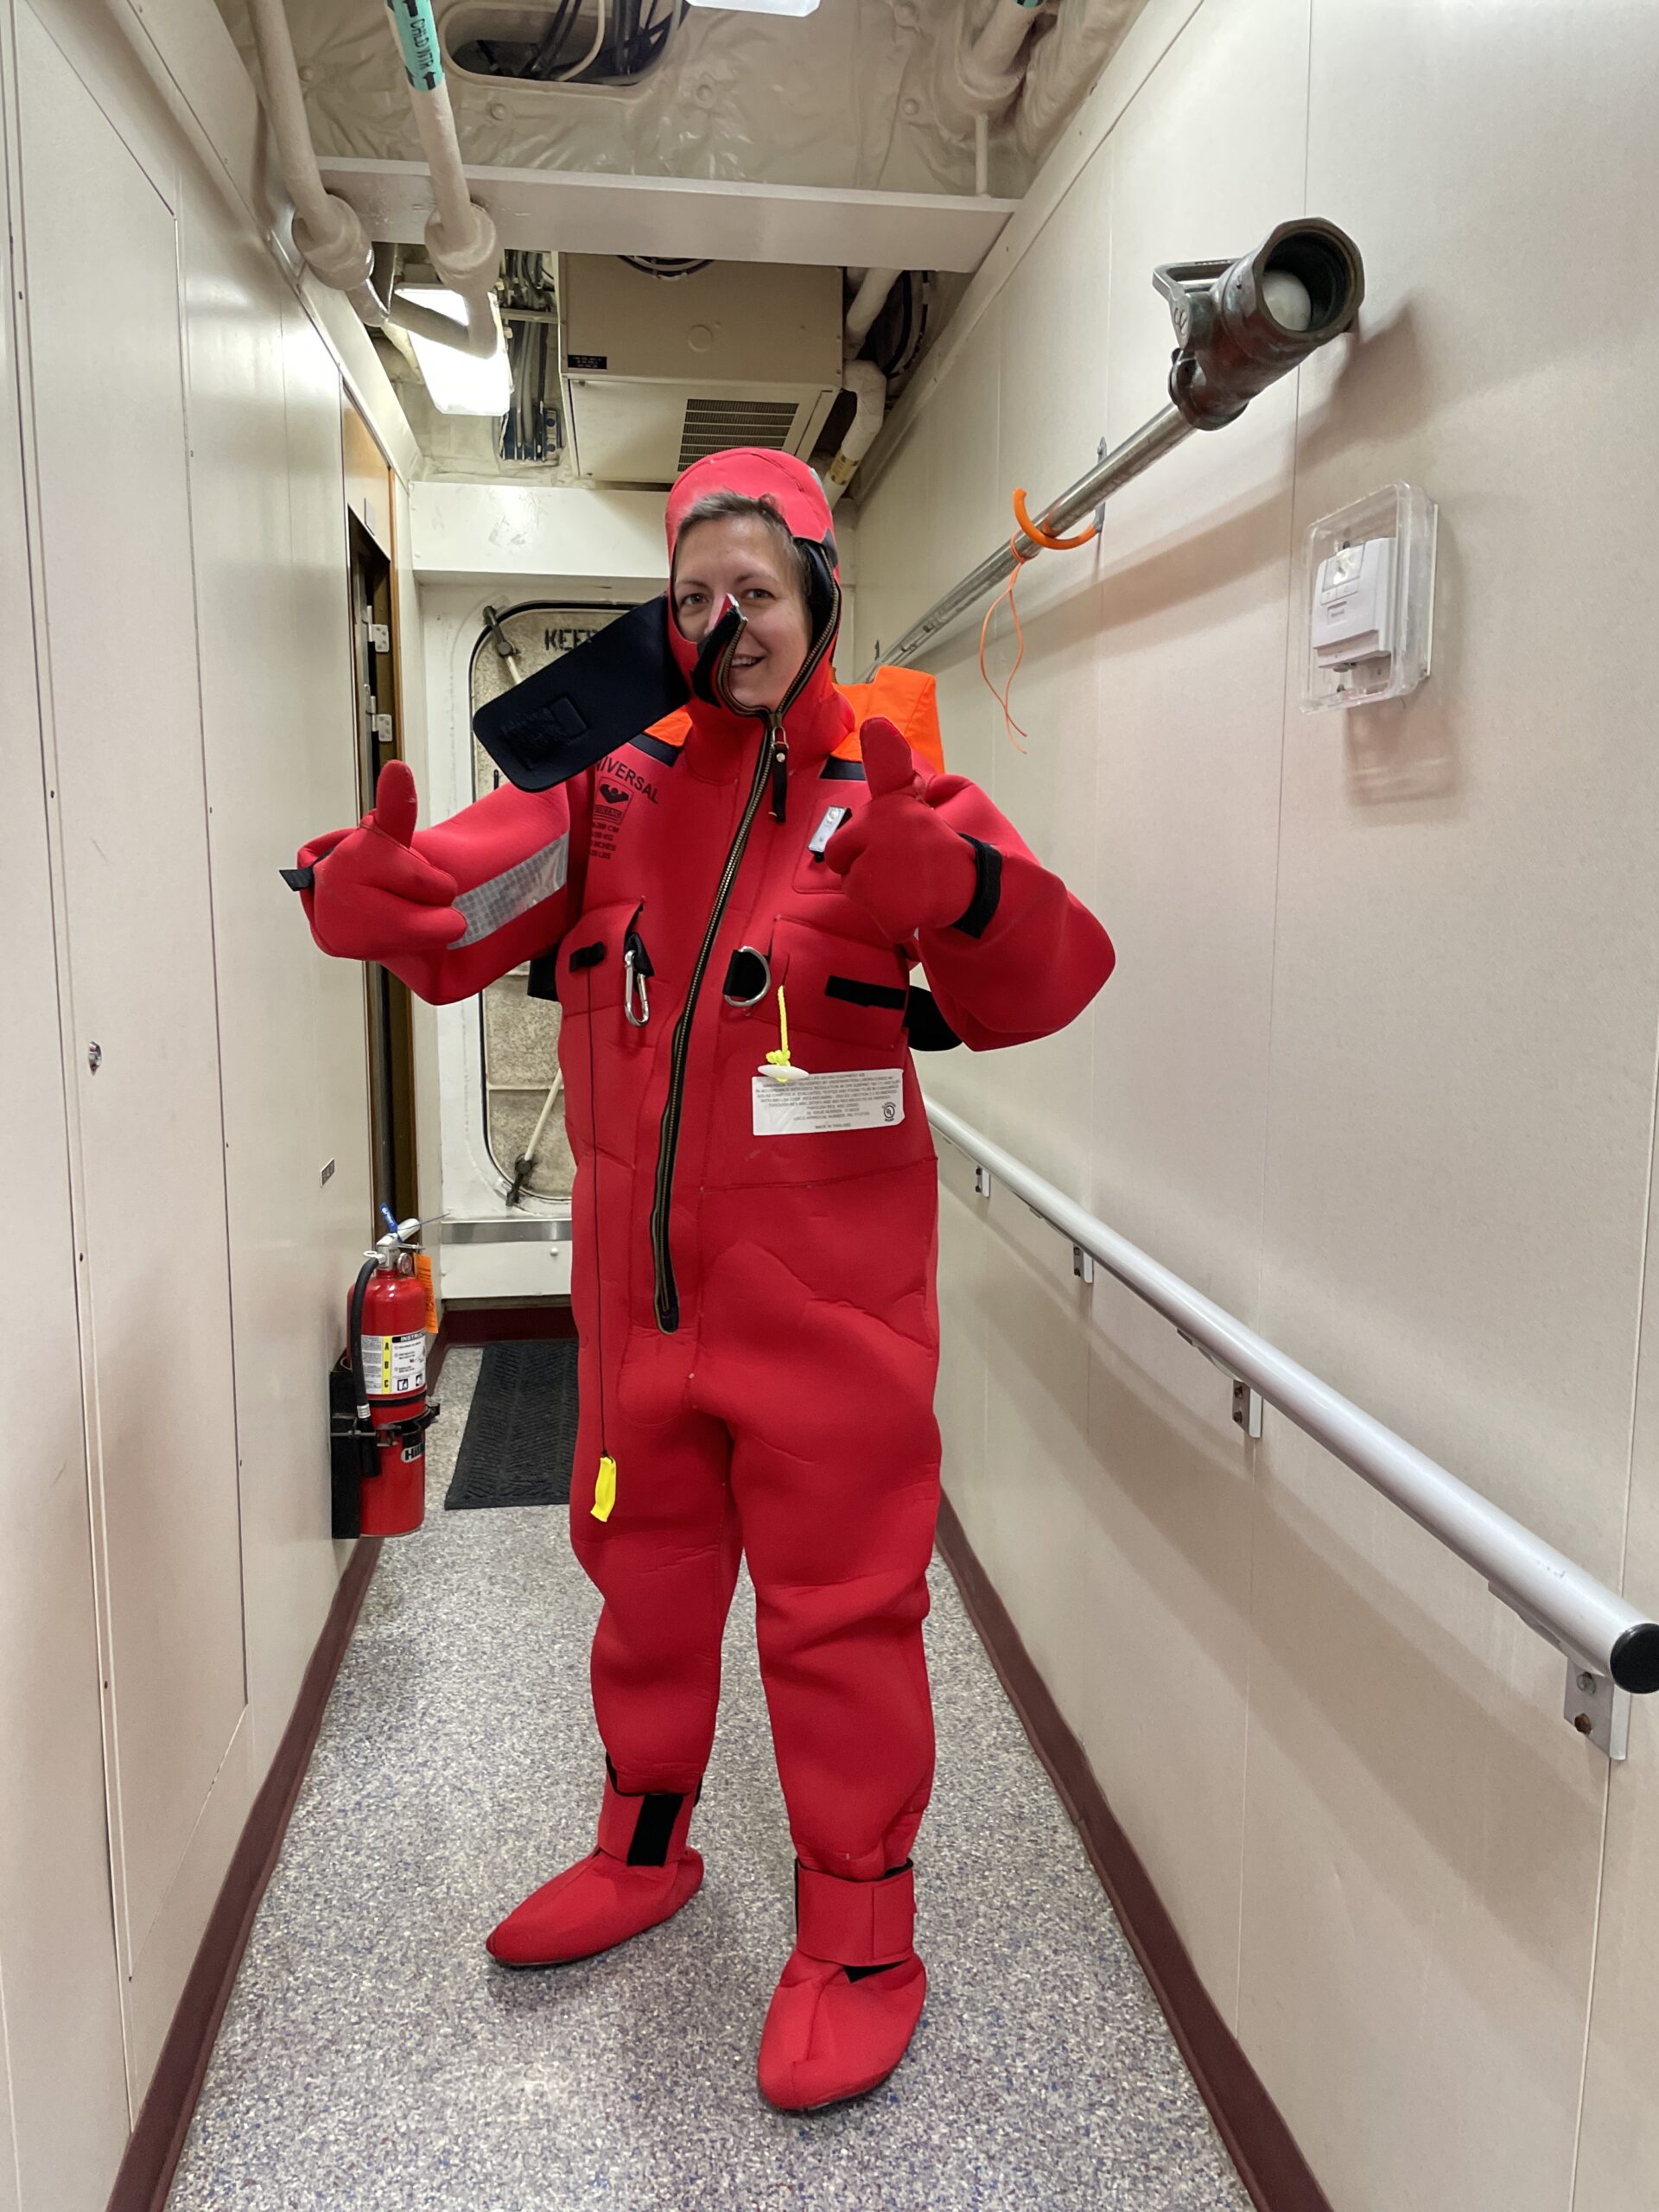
point(1369, 600)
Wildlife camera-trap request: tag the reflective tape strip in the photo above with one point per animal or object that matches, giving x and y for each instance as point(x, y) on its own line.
point(490, 906)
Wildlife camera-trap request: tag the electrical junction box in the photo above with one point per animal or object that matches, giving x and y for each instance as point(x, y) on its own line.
point(1369, 600)
point(659, 369)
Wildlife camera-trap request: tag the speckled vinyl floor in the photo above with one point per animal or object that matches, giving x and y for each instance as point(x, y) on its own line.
point(373, 2057)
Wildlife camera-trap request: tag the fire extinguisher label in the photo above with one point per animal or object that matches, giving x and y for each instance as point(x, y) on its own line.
point(394, 1365)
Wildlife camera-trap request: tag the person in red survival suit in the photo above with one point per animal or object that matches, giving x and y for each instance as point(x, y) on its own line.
point(753, 1279)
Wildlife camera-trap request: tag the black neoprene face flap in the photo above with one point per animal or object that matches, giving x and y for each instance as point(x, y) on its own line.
point(570, 715)
point(823, 599)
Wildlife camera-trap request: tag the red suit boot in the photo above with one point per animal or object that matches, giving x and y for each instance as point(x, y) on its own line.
point(640, 1873)
point(847, 2006)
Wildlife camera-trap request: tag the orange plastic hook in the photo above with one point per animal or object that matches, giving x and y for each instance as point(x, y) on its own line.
point(1039, 536)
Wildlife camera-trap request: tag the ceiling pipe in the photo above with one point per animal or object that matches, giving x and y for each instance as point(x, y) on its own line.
point(462, 242)
point(866, 380)
point(1086, 34)
point(868, 383)
point(868, 302)
point(980, 74)
point(327, 230)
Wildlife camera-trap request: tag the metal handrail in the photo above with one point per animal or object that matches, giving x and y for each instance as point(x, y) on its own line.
point(1611, 1649)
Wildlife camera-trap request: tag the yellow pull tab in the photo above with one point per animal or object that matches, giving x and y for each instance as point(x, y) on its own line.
point(781, 1059)
point(605, 1489)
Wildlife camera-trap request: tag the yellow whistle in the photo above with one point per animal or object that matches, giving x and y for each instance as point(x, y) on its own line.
point(605, 1489)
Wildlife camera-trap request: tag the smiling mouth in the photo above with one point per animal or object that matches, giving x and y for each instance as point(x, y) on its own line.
point(752, 660)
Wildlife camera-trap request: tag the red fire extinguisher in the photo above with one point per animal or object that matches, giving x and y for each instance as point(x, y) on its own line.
point(386, 1332)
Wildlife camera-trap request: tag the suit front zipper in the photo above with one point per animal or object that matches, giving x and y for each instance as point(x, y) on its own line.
point(770, 766)
point(771, 763)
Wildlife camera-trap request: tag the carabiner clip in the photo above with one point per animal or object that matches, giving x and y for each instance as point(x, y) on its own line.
point(636, 969)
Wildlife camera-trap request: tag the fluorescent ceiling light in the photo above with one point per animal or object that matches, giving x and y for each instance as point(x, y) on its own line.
point(762, 7)
point(457, 383)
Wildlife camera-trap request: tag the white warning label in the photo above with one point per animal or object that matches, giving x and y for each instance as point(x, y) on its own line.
point(856, 1098)
point(393, 1366)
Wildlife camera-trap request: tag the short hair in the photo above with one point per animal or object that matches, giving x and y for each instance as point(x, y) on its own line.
point(725, 506)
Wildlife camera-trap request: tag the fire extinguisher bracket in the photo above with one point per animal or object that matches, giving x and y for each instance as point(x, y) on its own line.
point(398, 1431)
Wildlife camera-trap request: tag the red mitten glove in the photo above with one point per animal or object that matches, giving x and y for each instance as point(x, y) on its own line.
point(904, 867)
point(372, 897)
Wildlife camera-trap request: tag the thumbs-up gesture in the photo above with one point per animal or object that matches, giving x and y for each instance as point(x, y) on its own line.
point(372, 897)
point(907, 868)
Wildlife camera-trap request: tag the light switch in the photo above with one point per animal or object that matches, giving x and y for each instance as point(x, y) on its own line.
point(1353, 603)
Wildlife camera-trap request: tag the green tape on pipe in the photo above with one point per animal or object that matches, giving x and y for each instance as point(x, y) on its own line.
point(417, 36)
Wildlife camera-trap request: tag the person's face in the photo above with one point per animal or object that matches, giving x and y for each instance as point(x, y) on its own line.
point(739, 556)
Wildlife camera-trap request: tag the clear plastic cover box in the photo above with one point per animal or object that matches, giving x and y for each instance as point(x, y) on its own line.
point(1369, 599)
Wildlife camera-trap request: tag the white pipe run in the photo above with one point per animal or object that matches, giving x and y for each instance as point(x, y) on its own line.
point(460, 237)
point(327, 230)
point(981, 74)
point(868, 384)
point(1066, 63)
point(868, 302)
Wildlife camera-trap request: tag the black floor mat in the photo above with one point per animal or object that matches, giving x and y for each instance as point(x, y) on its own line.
point(520, 1438)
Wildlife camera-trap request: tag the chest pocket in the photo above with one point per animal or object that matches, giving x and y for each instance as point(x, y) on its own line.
point(841, 987)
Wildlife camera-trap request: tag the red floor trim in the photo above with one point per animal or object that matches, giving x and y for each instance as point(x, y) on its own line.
point(152, 2154)
point(1270, 2165)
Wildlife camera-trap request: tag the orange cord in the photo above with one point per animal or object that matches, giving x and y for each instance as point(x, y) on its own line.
point(1039, 536)
point(1001, 697)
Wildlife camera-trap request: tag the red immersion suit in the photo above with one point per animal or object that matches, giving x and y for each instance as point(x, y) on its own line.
point(757, 1315)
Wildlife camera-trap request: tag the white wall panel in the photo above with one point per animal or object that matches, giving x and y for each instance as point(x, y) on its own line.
point(1376, 1069)
point(62, 2091)
point(183, 440)
point(322, 722)
point(278, 723)
point(1466, 979)
point(127, 728)
point(1618, 2154)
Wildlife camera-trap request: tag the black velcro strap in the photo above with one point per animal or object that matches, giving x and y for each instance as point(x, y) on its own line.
point(837, 771)
point(988, 889)
point(658, 1810)
point(857, 994)
point(927, 1029)
point(298, 878)
point(586, 956)
point(543, 981)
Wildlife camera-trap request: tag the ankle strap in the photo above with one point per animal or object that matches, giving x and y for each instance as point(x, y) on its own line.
point(855, 1924)
point(645, 1830)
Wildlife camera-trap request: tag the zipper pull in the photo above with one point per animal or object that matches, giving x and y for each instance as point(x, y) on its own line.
point(779, 776)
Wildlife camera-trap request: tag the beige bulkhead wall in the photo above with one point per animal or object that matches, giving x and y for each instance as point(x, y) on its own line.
point(179, 1607)
point(1376, 1071)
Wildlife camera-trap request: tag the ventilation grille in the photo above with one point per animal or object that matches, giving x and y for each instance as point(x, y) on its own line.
point(711, 425)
